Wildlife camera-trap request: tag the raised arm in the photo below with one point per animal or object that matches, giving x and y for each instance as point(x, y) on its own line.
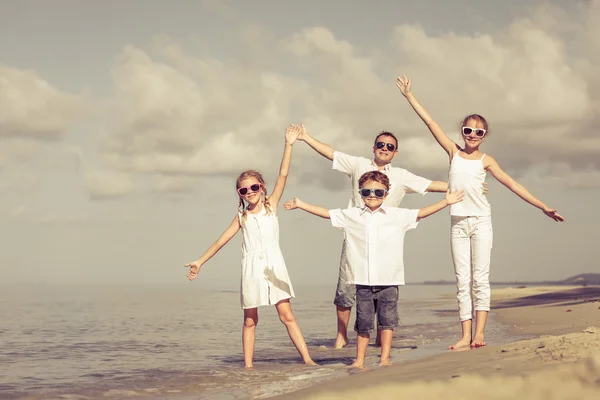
point(291, 134)
point(214, 248)
point(491, 165)
point(451, 198)
point(323, 149)
point(404, 84)
point(315, 210)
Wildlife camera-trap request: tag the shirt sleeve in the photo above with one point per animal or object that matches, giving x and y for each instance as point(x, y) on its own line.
point(407, 219)
point(344, 163)
point(337, 218)
point(415, 184)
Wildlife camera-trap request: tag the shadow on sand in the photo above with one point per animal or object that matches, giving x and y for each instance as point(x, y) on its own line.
point(562, 298)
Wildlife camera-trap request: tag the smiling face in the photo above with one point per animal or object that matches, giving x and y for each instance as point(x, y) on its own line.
point(470, 136)
point(372, 200)
point(250, 189)
point(385, 149)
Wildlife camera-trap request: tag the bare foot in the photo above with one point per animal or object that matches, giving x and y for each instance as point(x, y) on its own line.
point(464, 342)
point(248, 366)
point(358, 365)
point(385, 363)
point(310, 362)
point(478, 341)
point(340, 342)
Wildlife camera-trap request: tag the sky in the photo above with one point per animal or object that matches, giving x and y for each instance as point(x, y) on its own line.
point(123, 126)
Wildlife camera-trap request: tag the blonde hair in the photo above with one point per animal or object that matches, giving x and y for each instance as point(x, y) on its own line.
point(242, 206)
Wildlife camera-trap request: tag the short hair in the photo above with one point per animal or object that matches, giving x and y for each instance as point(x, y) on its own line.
point(374, 176)
point(386, 133)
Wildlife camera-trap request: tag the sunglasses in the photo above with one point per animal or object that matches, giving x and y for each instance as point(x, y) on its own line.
point(389, 146)
point(379, 193)
point(252, 188)
point(466, 131)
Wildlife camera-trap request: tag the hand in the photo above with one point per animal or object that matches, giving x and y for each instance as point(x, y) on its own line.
point(194, 267)
point(485, 189)
point(553, 214)
point(291, 134)
point(292, 204)
point(454, 197)
point(404, 84)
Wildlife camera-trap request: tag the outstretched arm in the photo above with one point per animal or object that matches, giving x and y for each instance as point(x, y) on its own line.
point(291, 134)
point(519, 189)
point(404, 84)
point(438, 186)
point(214, 248)
point(315, 210)
point(323, 149)
point(451, 198)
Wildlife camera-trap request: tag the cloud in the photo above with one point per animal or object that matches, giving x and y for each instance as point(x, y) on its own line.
point(31, 107)
point(181, 116)
point(107, 184)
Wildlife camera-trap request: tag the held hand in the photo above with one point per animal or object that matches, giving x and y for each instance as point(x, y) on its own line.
point(553, 214)
point(194, 267)
point(303, 133)
point(292, 204)
point(404, 84)
point(454, 197)
point(291, 134)
point(485, 189)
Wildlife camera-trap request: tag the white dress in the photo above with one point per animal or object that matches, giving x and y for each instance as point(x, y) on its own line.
point(265, 279)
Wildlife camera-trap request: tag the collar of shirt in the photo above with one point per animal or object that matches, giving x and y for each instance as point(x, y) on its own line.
point(386, 167)
point(365, 209)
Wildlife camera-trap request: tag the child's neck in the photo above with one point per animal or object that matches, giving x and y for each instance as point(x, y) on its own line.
point(255, 209)
point(374, 208)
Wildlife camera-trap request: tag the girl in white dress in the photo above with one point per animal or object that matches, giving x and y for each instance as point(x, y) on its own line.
point(265, 279)
point(471, 221)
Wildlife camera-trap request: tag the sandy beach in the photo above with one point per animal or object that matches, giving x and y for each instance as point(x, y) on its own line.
point(561, 361)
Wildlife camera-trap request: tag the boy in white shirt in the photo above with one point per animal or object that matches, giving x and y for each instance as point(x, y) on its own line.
point(374, 237)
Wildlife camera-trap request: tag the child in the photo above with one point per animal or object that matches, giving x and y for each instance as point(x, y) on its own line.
point(265, 279)
point(374, 238)
point(471, 224)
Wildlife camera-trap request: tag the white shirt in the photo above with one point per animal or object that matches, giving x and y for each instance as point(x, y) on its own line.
point(468, 175)
point(375, 242)
point(401, 181)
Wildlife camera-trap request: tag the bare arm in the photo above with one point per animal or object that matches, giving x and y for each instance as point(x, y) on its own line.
point(404, 84)
point(291, 134)
point(519, 189)
point(451, 198)
point(438, 186)
point(214, 248)
point(315, 210)
point(323, 149)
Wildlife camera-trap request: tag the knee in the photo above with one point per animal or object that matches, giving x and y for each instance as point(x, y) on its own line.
point(250, 323)
point(287, 318)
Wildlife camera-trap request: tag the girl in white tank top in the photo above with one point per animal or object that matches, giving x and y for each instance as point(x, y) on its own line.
point(471, 233)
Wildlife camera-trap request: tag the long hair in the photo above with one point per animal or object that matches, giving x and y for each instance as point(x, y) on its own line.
point(242, 204)
point(477, 118)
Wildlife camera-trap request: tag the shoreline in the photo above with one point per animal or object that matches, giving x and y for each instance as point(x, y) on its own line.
point(571, 314)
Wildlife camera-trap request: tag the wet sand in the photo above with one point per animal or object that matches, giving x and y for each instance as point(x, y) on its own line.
point(561, 361)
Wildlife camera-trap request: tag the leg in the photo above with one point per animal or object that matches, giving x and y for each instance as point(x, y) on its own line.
point(481, 244)
point(284, 309)
point(365, 313)
point(387, 319)
point(461, 256)
point(344, 300)
point(248, 335)
point(378, 339)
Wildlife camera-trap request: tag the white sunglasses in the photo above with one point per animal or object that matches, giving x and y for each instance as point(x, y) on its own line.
point(467, 131)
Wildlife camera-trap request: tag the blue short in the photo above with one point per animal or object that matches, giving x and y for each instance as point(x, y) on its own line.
point(380, 300)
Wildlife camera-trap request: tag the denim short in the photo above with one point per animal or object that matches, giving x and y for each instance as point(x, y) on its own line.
point(345, 293)
point(380, 300)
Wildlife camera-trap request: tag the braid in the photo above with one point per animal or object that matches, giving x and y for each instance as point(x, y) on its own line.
point(266, 203)
point(242, 209)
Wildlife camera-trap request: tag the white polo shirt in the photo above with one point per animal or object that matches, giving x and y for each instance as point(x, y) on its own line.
point(375, 242)
point(401, 181)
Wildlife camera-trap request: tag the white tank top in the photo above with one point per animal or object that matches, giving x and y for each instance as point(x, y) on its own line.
point(468, 175)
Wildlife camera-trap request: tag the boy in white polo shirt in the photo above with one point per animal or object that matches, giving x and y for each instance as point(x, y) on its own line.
point(374, 237)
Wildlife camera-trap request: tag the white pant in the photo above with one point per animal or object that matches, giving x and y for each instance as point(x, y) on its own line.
point(471, 244)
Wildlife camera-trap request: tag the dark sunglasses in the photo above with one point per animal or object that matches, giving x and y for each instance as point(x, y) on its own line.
point(379, 193)
point(389, 146)
point(252, 188)
point(466, 131)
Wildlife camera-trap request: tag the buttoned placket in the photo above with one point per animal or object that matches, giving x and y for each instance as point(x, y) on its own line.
point(263, 255)
point(371, 244)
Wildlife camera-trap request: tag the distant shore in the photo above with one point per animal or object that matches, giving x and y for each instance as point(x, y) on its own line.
point(565, 365)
